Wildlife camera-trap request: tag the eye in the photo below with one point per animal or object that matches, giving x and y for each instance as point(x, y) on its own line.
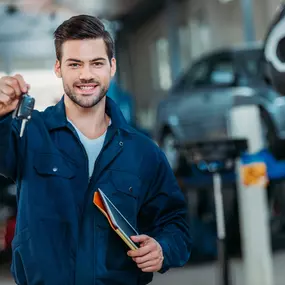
point(74, 65)
point(98, 64)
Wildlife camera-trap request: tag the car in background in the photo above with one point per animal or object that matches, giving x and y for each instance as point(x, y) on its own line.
point(198, 105)
point(197, 109)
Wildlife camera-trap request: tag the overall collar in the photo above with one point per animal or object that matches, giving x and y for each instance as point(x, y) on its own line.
point(55, 116)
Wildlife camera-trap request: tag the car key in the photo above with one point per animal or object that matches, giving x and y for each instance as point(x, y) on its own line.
point(24, 111)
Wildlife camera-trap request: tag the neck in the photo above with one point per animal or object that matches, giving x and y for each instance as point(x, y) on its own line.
point(92, 122)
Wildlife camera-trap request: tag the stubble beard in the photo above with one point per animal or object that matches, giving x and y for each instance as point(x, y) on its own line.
point(85, 102)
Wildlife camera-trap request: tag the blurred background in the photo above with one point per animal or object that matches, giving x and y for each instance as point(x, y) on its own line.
point(180, 65)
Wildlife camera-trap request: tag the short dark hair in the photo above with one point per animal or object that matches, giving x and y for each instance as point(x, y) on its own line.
point(82, 27)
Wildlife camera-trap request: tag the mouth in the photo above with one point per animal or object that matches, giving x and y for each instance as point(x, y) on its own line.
point(86, 88)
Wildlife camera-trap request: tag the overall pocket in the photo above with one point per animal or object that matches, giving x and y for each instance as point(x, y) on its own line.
point(125, 194)
point(49, 164)
point(24, 263)
point(122, 190)
point(54, 196)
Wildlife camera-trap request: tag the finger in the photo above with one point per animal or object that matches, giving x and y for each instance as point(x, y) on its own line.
point(151, 269)
point(11, 107)
point(14, 104)
point(22, 83)
point(140, 252)
point(14, 84)
point(148, 257)
point(151, 263)
point(140, 238)
point(5, 109)
point(5, 99)
point(148, 246)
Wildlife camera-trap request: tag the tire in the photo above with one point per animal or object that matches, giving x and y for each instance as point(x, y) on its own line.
point(271, 140)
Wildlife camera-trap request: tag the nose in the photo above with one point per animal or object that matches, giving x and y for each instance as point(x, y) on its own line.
point(86, 73)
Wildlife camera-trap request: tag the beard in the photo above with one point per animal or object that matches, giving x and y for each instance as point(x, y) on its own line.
point(86, 101)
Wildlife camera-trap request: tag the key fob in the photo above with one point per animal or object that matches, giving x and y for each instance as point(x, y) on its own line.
point(25, 107)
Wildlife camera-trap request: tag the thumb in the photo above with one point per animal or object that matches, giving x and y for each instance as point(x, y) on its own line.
point(140, 238)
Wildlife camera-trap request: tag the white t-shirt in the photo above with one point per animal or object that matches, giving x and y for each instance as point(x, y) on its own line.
point(92, 147)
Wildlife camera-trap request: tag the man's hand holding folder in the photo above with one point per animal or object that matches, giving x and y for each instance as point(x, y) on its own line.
point(149, 257)
point(145, 251)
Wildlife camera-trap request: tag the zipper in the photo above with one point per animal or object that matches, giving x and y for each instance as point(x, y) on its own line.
point(83, 149)
point(86, 163)
point(91, 180)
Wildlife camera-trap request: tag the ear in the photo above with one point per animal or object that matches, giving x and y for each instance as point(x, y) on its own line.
point(113, 67)
point(57, 68)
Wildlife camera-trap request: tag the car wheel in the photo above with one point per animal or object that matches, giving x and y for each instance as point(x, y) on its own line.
point(268, 132)
point(270, 138)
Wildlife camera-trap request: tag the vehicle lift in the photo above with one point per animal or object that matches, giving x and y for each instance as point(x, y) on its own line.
point(243, 153)
point(254, 168)
point(215, 158)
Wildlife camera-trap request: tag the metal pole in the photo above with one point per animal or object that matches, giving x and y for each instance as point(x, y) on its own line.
point(219, 206)
point(248, 20)
point(221, 230)
point(174, 43)
point(253, 204)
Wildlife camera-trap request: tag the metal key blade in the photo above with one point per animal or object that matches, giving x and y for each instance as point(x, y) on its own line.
point(23, 126)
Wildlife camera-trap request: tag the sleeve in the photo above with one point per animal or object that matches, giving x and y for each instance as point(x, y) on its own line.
point(164, 216)
point(9, 136)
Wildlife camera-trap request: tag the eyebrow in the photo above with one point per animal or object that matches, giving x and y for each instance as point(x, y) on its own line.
point(92, 60)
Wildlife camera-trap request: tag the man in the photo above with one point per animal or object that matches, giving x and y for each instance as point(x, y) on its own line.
point(69, 151)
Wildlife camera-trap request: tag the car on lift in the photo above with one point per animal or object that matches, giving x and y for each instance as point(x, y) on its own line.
point(197, 109)
point(198, 104)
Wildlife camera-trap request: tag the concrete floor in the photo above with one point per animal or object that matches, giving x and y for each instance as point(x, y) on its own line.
point(196, 275)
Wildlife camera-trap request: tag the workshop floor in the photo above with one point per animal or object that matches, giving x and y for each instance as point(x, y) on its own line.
point(195, 275)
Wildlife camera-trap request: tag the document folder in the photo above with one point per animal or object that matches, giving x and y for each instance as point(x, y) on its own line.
point(116, 219)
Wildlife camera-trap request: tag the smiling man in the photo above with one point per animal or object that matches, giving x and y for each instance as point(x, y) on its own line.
point(69, 151)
